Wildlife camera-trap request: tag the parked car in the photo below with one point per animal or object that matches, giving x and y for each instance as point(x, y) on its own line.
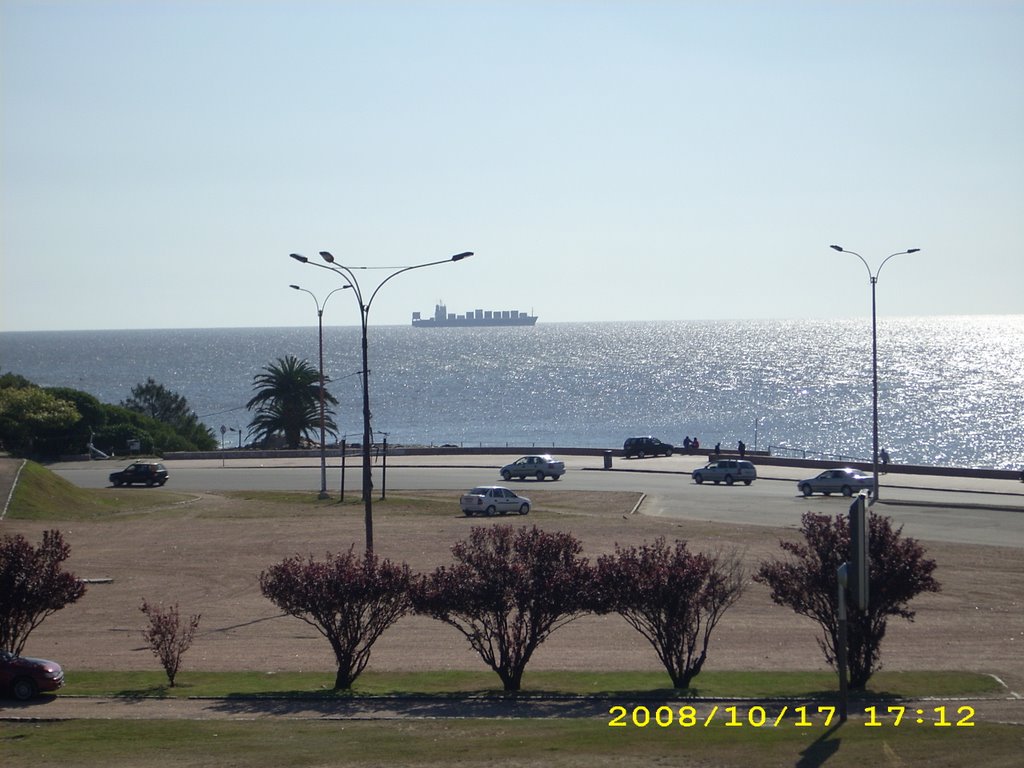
point(145, 472)
point(539, 467)
point(726, 471)
point(25, 677)
point(493, 500)
point(642, 447)
point(846, 481)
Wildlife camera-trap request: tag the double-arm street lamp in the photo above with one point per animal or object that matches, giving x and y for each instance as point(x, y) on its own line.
point(364, 313)
point(323, 431)
point(874, 356)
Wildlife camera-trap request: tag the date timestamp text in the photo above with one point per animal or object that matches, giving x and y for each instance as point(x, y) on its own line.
point(803, 716)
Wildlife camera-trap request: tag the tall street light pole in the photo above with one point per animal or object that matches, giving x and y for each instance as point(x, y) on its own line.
point(364, 314)
point(874, 356)
point(323, 430)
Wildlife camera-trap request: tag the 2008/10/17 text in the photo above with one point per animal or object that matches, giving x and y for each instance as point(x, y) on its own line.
point(803, 716)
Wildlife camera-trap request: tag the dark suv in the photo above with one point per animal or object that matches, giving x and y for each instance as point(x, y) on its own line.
point(146, 472)
point(646, 446)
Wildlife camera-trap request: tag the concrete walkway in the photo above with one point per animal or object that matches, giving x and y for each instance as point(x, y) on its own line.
point(1005, 708)
point(9, 470)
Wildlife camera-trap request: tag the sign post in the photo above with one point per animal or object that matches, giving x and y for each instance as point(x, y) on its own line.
point(859, 555)
point(852, 574)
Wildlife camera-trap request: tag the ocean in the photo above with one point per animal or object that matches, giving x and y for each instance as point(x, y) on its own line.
point(949, 387)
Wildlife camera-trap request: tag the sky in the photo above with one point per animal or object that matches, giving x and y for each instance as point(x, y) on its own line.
point(634, 160)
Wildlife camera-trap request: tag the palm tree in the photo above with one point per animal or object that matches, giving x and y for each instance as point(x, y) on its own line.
point(287, 400)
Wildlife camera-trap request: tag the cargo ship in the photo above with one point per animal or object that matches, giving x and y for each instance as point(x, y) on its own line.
point(475, 318)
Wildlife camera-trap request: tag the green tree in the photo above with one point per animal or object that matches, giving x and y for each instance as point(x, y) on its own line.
point(93, 417)
point(30, 416)
point(14, 381)
point(159, 403)
point(287, 401)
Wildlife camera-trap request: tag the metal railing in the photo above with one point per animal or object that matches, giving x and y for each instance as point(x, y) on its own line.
point(786, 451)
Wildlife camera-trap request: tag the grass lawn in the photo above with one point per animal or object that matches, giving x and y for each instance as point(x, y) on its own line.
point(647, 732)
point(807, 685)
point(244, 735)
point(520, 742)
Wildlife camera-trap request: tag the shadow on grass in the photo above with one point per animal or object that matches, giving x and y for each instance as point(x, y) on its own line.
point(341, 706)
point(821, 750)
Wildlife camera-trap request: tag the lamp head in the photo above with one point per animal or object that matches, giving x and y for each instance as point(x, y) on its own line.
point(461, 256)
point(299, 257)
point(913, 250)
point(326, 256)
point(297, 288)
point(836, 248)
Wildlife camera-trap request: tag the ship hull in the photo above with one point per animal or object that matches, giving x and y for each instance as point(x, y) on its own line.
point(431, 322)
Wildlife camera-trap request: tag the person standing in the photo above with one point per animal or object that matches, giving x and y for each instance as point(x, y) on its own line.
point(884, 456)
point(743, 449)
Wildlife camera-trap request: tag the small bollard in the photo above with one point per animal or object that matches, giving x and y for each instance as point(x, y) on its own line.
point(607, 459)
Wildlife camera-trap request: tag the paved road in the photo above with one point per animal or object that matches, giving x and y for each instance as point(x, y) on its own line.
point(936, 508)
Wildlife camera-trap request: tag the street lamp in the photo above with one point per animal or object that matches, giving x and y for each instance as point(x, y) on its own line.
point(364, 313)
point(323, 436)
point(874, 355)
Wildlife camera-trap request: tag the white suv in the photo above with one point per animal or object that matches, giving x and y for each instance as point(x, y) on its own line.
point(727, 471)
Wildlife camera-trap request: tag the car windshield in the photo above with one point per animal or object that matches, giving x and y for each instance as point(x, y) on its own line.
point(481, 491)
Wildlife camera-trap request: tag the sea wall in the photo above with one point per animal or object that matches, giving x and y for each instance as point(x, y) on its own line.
point(759, 458)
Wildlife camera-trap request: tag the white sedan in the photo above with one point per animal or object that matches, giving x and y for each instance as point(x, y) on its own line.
point(493, 500)
point(845, 481)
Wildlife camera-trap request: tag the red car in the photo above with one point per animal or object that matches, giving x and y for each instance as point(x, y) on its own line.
point(24, 677)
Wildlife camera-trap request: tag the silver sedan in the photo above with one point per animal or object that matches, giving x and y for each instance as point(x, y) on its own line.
point(846, 481)
point(490, 500)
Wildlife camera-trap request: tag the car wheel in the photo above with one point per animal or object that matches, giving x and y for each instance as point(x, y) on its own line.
point(24, 688)
point(729, 480)
point(506, 475)
point(827, 493)
point(668, 453)
point(641, 455)
point(698, 478)
point(847, 490)
point(150, 483)
point(117, 483)
point(490, 511)
point(467, 512)
point(539, 475)
point(806, 490)
point(524, 509)
point(555, 477)
point(747, 482)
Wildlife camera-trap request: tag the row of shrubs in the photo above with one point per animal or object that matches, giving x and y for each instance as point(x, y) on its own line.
point(510, 588)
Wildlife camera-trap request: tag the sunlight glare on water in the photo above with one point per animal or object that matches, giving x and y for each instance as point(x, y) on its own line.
point(949, 387)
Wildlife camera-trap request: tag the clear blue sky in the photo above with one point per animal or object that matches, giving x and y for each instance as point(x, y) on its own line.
point(605, 160)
